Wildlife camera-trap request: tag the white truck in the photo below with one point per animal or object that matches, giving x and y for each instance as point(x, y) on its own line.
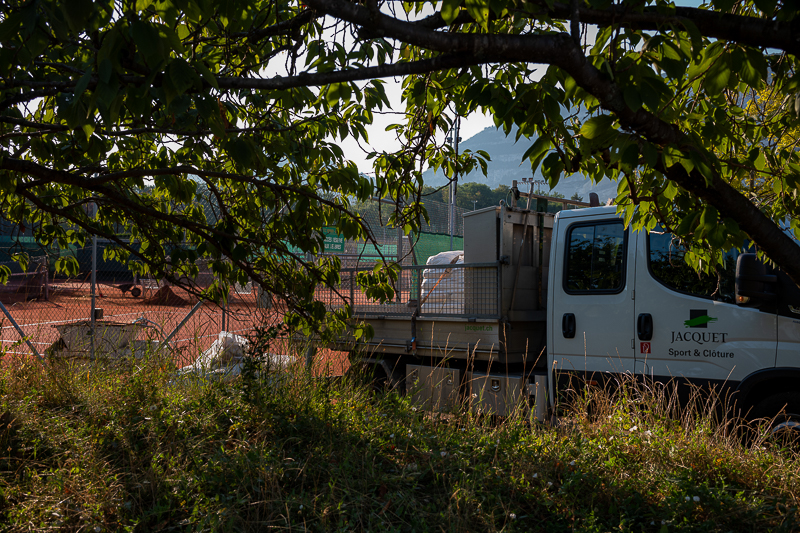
point(541, 297)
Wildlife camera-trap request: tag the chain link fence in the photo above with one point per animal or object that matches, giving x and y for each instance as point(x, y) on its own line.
point(48, 312)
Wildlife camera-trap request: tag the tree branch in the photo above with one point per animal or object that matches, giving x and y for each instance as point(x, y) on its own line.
point(279, 28)
point(340, 76)
point(561, 50)
point(752, 31)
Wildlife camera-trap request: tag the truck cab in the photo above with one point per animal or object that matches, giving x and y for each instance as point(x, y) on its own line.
point(627, 302)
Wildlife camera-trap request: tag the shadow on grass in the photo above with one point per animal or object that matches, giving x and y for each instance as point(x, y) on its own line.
point(111, 448)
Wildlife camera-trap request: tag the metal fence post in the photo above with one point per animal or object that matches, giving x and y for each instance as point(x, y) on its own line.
point(21, 333)
point(310, 351)
point(94, 289)
point(46, 277)
point(224, 306)
point(352, 291)
point(180, 325)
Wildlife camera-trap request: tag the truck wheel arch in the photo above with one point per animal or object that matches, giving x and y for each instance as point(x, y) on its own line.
point(762, 384)
point(383, 371)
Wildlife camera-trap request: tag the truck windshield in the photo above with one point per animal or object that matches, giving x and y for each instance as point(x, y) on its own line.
point(668, 265)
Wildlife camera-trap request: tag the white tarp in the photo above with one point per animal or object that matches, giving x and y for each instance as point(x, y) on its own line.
point(442, 288)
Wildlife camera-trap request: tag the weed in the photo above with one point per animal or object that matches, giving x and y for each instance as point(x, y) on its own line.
point(97, 448)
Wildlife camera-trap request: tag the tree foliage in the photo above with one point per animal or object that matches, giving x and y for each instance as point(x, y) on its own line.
point(141, 107)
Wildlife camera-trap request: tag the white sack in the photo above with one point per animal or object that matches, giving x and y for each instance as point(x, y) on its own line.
point(443, 291)
point(446, 258)
point(227, 350)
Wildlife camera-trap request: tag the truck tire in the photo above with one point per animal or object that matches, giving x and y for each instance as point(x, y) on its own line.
point(782, 411)
point(370, 374)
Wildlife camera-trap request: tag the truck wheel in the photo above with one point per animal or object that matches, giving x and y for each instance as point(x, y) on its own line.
point(369, 374)
point(782, 411)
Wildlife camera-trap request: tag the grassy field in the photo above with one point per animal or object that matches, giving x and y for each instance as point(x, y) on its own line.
point(128, 449)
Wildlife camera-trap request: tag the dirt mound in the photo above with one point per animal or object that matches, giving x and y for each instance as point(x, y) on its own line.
point(167, 296)
point(31, 289)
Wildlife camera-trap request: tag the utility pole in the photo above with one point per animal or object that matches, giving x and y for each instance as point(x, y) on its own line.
point(454, 138)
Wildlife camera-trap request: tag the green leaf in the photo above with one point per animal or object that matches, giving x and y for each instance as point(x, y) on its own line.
point(630, 157)
point(83, 83)
point(149, 42)
point(88, 129)
point(241, 152)
point(654, 91)
point(209, 110)
point(694, 34)
point(709, 55)
point(632, 98)
point(760, 162)
point(686, 163)
point(702, 166)
point(723, 5)
point(338, 91)
point(552, 168)
point(596, 126)
point(206, 74)
point(671, 191)
point(10, 27)
point(767, 6)
point(754, 68)
point(650, 154)
point(687, 223)
point(105, 70)
point(450, 10)
point(718, 75)
point(672, 156)
point(77, 13)
point(479, 10)
point(67, 265)
point(109, 50)
point(179, 77)
point(708, 220)
point(672, 67)
point(539, 147)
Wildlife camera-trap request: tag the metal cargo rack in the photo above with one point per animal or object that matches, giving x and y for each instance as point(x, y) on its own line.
point(457, 291)
point(490, 308)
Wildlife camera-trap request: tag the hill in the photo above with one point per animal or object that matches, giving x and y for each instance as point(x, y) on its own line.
point(507, 165)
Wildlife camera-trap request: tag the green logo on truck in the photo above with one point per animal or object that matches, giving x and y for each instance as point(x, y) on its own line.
point(698, 318)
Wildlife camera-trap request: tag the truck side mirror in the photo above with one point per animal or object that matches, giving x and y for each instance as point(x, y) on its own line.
point(754, 287)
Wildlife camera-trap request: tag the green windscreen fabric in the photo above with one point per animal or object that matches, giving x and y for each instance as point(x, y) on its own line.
point(371, 250)
point(430, 244)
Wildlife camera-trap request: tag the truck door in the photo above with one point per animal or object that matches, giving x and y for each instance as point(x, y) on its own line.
point(695, 329)
point(590, 298)
point(788, 323)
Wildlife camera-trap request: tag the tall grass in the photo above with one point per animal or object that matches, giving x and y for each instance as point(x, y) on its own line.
point(94, 448)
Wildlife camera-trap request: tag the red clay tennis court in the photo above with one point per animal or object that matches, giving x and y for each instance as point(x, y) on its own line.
point(69, 302)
